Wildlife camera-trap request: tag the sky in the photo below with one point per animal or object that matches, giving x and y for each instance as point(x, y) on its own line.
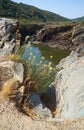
point(66, 8)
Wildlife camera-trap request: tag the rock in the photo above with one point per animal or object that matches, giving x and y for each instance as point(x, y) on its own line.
point(80, 51)
point(7, 49)
point(61, 36)
point(10, 69)
point(29, 29)
point(69, 85)
point(78, 34)
point(38, 107)
point(66, 62)
point(7, 35)
point(51, 94)
point(55, 36)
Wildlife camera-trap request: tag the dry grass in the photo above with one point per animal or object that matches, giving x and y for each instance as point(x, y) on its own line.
point(7, 88)
point(30, 112)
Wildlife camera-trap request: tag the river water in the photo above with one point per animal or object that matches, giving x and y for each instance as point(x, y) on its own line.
point(50, 54)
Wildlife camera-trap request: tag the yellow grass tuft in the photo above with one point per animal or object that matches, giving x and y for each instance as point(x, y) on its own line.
point(30, 112)
point(7, 88)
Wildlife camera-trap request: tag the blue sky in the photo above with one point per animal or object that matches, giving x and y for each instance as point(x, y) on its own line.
point(66, 8)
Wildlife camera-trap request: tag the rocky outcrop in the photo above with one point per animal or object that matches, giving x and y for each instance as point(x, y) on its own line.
point(7, 35)
point(78, 35)
point(69, 84)
point(29, 29)
point(55, 36)
point(64, 37)
point(47, 33)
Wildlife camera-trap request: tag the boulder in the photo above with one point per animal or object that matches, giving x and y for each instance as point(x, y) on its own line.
point(10, 69)
point(69, 86)
point(40, 109)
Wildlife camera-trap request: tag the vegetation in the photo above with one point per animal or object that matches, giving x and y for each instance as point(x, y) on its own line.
point(79, 19)
point(7, 89)
point(40, 75)
point(27, 13)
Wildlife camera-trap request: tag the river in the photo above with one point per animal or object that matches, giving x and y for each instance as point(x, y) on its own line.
point(50, 54)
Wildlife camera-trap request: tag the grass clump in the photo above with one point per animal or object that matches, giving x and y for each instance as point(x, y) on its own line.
point(7, 89)
point(37, 75)
point(42, 72)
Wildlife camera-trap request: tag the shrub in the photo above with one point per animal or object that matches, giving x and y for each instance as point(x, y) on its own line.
point(42, 73)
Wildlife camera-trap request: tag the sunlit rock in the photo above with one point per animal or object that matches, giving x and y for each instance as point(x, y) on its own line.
point(69, 84)
point(7, 35)
point(10, 69)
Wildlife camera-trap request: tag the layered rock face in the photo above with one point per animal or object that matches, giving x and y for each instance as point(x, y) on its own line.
point(7, 35)
point(55, 36)
point(78, 34)
point(69, 84)
point(64, 37)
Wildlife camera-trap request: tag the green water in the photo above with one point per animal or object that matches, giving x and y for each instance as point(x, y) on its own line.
point(39, 50)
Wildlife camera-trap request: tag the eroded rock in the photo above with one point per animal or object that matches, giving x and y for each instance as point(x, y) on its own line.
point(7, 35)
point(78, 34)
point(69, 85)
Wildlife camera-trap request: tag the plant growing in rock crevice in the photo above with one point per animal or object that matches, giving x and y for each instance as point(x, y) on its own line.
point(37, 77)
point(42, 72)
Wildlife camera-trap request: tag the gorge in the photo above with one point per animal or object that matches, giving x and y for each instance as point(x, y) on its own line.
point(57, 103)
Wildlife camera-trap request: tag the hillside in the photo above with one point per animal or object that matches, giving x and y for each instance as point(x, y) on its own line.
point(79, 19)
point(25, 12)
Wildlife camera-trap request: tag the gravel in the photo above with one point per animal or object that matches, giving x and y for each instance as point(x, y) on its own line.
point(12, 119)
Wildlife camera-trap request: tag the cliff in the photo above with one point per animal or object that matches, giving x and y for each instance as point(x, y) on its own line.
point(61, 36)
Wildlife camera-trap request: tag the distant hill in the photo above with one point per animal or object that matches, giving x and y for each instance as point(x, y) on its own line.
point(25, 12)
point(79, 19)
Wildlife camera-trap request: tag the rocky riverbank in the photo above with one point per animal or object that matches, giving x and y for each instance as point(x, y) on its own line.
point(67, 37)
point(60, 108)
point(61, 36)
